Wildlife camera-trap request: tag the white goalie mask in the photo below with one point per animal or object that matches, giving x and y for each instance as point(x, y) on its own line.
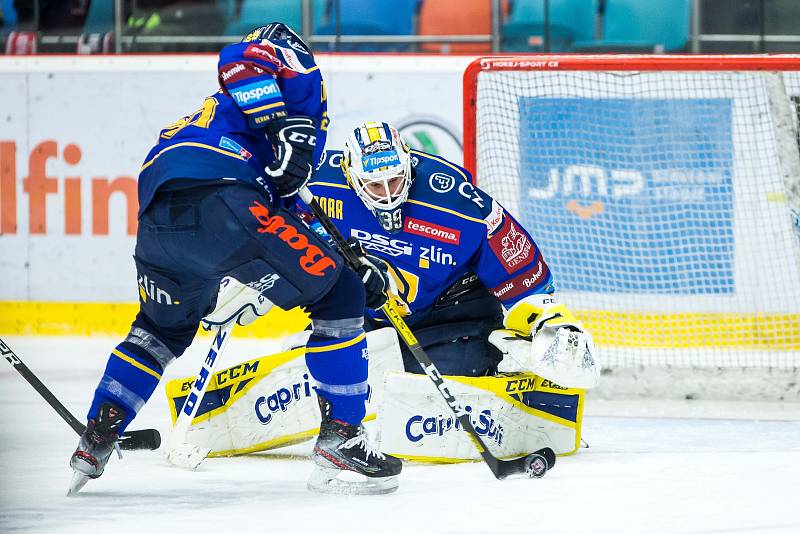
point(377, 165)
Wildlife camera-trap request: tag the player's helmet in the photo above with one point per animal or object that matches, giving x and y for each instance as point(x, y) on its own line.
point(278, 32)
point(377, 165)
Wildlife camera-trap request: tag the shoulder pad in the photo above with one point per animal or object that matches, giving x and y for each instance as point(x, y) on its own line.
point(449, 185)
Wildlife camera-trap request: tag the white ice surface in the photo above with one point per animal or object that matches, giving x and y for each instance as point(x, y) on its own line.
point(652, 468)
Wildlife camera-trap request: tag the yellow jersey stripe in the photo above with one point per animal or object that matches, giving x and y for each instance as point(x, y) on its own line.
point(198, 145)
point(136, 364)
point(262, 108)
point(329, 184)
point(446, 210)
point(336, 346)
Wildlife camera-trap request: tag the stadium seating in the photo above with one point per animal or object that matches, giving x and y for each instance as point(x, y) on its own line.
point(257, 13)
point(470, 17)
point(368, 17)
point(97, 29)
point(651, 25)
point(9, 14)
point(569, 20)
point(99, 18)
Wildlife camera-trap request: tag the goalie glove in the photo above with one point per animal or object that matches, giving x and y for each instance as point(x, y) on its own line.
point(236, 301)
point(558, 349)
point(293, 140)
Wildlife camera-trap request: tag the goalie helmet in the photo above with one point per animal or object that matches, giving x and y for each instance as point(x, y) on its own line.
point(377, 165)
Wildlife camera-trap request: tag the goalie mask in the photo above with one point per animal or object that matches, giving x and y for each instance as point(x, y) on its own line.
point(377, 165)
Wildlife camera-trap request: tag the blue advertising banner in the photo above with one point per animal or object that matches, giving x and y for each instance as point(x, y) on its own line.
point(630, 195)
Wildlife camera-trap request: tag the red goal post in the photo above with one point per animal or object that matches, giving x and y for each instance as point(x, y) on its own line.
point(665, 193)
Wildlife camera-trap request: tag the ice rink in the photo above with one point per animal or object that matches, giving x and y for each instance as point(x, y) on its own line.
point(652, 467)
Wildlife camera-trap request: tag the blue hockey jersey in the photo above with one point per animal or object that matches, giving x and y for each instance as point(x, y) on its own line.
point(225, 138)
point(450, 228)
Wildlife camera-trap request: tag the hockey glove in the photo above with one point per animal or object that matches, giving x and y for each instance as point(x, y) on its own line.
point(560, 350)
point(293, 140)
point(374, 272)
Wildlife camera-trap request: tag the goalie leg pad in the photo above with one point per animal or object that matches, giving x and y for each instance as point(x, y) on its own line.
point(514, 414)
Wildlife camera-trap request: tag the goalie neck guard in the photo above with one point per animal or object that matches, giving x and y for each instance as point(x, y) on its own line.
point(377, 165)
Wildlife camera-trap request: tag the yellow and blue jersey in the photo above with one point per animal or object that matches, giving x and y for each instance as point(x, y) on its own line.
point(225, 139)
point(450, 228)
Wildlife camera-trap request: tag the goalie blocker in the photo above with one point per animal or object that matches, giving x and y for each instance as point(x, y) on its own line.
point(268, 402)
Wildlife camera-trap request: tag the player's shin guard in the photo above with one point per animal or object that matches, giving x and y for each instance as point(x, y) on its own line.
point(130, 377)
point(339, 366)
point(336, 352)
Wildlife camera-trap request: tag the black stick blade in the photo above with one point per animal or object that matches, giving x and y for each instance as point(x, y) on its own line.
point(534, 465)
point(133, 440)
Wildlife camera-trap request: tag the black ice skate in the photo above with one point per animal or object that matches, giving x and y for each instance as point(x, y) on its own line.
point(95, 446)
point(343, 449)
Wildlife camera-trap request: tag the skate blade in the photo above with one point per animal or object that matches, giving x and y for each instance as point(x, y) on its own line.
point(186, 455)
point(78, 481)
point(326, 480)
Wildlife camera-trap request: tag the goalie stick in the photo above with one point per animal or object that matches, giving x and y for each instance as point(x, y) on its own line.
point(148, 439)
point(534, 465)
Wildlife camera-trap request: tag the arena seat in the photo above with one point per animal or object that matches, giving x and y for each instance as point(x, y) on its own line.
point(652, 25)
point(368, 17)
point(21, 43)
point(9, 14)
point(472, 17)
point(257, 13)
point(99, 18)
point(97, 29)
point(569, 20)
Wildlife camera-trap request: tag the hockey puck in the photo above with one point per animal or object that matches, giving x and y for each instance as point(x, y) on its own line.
point(536, 465)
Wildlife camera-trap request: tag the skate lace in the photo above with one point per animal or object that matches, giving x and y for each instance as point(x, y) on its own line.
point(361, 441)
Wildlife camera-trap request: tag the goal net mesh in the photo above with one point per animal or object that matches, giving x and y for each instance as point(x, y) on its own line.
point(663, 202)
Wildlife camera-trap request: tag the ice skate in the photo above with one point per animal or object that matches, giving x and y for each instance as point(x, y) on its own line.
point(95, 446)
point(346, 463)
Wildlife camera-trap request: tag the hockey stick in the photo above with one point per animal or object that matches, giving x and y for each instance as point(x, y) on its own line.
point(148, 439)
point(534, 465)
point(179, 452)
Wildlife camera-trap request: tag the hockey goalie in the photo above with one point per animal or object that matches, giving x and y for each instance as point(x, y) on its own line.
point(474, 288)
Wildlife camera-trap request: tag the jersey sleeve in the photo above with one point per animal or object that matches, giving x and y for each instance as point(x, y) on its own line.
point(508, 261)
point(268, 81)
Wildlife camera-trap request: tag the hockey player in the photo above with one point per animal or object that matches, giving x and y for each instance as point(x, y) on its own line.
point(458, 258)
point(217, 240)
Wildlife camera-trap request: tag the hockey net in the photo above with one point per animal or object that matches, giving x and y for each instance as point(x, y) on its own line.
point(664, 193)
